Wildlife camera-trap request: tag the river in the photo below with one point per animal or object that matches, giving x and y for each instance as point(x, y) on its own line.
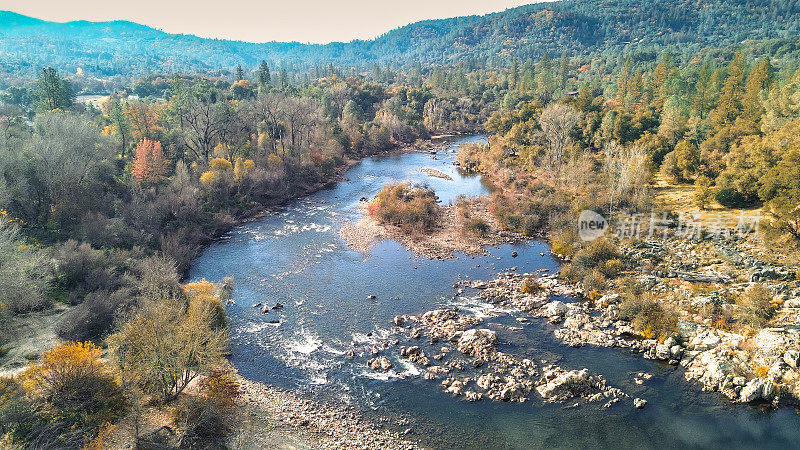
point(296, 257)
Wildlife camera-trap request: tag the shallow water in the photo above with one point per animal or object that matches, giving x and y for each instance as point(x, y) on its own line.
point(296, 257)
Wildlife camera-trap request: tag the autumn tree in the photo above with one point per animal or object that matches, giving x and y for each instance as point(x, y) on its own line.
point(171, 341)
point(145, 119)
point(703, 192)
point(149, 163)
point(780, 188)
point(680, 165)
point(77, 391)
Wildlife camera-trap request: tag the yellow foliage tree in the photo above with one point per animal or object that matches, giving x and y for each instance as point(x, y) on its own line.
point(220, 164)
point(75, 386)
point(242, 168)
point(171, 341)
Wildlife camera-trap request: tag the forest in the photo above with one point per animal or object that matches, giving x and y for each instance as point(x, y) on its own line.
point(596, 28)
point(103, 205)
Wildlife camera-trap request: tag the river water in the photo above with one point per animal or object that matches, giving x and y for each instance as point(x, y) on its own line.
point(296, 257)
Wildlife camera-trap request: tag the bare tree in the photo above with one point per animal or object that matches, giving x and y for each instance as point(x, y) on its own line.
point(627, 173)
point(557, 122)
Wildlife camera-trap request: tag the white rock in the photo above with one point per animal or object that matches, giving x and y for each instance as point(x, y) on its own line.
point(662, 351)
point(555, 311)
point(754, 390)
point(792, 358)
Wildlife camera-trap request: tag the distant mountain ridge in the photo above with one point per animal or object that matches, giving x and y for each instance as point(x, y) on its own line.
point(580, 27)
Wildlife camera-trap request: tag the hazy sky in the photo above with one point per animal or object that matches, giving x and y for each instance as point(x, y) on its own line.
point(265, 20)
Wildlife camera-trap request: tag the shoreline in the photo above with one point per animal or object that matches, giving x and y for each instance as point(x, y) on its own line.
point(265, 209)
point(291, 418)
point(758, 367)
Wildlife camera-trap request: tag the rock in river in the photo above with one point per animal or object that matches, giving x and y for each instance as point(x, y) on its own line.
point(478, 342)
point(380, 363)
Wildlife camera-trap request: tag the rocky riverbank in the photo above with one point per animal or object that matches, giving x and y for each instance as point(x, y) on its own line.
point(745, 365)
point(272, 417)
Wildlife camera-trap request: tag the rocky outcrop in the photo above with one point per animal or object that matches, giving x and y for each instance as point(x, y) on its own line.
point(558, 384)
point(479, 343)
point(380, 363)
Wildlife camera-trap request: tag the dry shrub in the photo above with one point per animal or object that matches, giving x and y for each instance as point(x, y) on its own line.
point(77, 391)
point(531, 285)
point(755, 306)
point(596, 253)
point(477, 226)
point(221, 387)
point(206, 418)
point(564, 243)
point(649, 316)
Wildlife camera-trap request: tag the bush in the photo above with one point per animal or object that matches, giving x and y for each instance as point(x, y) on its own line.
point(594, 280)
point(755, 306)
point(18, 418)
point(478, 226)
point(76, 389)
point(410, 208)
point(25, 271)
point(611, 268)
point(221, 388)
point(571, 273)
point(649, 316)
point(207, 417)
point(93, 318)
point(80, 270)
point(597, 253)
point(564, 243)
point(530, 285)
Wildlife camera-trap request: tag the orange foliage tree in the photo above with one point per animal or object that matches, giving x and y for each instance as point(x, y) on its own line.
point(149, 162)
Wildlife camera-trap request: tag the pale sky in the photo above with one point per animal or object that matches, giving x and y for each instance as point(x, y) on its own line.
point(266, 20)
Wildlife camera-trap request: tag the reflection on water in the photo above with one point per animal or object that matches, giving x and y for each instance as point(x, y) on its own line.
point(296, 257)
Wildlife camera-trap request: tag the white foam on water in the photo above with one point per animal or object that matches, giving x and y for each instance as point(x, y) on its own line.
point(306, 343)
point(478, 308)
point(256, 327)
point(378, 335)
point(410, 369)
point(335, 351)
point(405, 370)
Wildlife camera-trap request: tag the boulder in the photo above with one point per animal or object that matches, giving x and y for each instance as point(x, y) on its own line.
point(472, 396)
point(663, 352)
point(555, 311)
point(607, 300)
point(792, 358)
point(380, 363)
point(478, 342)
point(757, 389)
point(567, 384)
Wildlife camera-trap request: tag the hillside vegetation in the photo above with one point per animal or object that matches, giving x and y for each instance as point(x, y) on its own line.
point(578, 27)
